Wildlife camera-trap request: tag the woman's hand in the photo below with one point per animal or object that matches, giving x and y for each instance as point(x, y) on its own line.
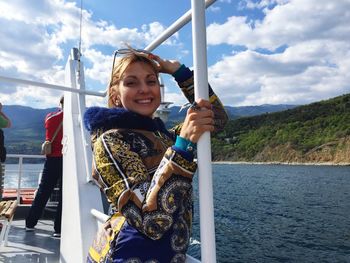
point(166, 66)
point(198, 120)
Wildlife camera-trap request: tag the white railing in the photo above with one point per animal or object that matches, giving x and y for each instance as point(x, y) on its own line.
point(29, 83)
point(197, 14)
point(176, 26)
point(206, 206)
point(21, 170)
point(79, 194)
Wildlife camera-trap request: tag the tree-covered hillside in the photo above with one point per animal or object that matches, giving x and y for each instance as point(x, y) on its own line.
point(27, 131)
point(177, 116)
point(318, 132)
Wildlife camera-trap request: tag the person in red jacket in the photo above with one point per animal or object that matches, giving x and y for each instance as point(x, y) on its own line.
point(51, 174)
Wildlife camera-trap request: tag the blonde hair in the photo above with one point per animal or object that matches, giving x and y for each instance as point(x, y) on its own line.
point(120, 66)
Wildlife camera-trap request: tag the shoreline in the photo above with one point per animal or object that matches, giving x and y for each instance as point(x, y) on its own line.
point(282, 163)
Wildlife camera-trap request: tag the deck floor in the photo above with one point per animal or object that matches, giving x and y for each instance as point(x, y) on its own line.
point(37, 246)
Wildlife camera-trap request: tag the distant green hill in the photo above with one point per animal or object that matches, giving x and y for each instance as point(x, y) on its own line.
point(176, 116)
point(318, 132)
point(27, 131)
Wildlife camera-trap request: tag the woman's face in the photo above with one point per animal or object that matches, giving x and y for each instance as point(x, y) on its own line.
point(139, 89)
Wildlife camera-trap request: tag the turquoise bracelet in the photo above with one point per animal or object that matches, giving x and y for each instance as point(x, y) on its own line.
point(185, 144)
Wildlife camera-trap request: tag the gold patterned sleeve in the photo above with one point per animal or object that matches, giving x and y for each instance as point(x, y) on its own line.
point(148, 204)
point(117, 168)
point(220, 115)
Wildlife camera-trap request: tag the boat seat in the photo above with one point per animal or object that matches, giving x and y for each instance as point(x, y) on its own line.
point(7, 211)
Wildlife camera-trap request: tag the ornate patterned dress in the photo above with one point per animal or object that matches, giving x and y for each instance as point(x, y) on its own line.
point(147, 180)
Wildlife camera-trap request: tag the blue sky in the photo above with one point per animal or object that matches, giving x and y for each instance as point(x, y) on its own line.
point(259, 52)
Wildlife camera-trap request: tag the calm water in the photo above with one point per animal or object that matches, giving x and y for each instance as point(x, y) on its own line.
point(30, 175)
point(280, 213)
point(271, 213)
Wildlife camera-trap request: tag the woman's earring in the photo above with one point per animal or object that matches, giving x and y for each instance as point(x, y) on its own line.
point(117, 103)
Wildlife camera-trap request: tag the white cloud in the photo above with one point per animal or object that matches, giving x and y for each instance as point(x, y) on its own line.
point(249, 4)
point(296, 76)
point(236, 31)
point(286, 24)
point(214, 9)
point(293, 51)
point(313, 63)
point(175, 98)
point(34, 37)
point(101, 66)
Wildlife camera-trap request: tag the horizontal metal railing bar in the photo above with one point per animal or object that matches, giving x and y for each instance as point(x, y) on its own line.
point(36, 156)
point(51, 86)
point(12, 171)
point(19, 188)
point(101, 217)
point(178, 24)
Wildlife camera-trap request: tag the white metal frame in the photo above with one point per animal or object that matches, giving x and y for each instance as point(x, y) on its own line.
point(79, 194)
point(6, 225)
point(20, 158)
point(206, 206)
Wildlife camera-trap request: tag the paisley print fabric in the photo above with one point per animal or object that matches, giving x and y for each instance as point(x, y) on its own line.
point(147, 182)
point(155, 202)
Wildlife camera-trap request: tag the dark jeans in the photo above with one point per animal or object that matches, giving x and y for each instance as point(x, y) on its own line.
point(51, 175)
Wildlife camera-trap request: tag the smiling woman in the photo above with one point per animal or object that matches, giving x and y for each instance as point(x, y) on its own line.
point(134, 82)
point(139, 90)
point(145, 170)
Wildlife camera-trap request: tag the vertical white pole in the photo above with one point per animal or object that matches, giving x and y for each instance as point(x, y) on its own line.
point(206, 207)
point(20, 172)
point(81, 108)
point(79, 196)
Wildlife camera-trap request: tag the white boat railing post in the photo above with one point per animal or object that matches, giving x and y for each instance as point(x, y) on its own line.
point(20, 171)
point(206, 207)
point(79, 196)
point(81, 107)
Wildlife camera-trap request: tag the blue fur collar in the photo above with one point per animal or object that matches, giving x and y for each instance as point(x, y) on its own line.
point(110, 118)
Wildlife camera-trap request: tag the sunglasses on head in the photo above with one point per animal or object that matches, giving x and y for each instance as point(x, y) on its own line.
point(128, 51)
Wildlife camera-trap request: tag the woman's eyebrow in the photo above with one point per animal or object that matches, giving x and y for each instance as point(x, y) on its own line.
point(151, 75)
point(136, 77)
point(129, 77)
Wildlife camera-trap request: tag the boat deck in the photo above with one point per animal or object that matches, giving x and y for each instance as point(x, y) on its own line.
point(36, 246)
